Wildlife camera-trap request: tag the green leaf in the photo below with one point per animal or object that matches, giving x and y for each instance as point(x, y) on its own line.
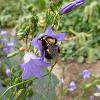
point(91, 55)
point(86, 86)
point(44, 88)
point(80, 59)
point(13, 54)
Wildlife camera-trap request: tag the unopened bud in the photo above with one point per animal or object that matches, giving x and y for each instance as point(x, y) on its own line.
point(22, 49)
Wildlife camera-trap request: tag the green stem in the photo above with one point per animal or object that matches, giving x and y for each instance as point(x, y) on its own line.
point(26, 41)
point(55, 18)
point(75, 33)
point(16, 85)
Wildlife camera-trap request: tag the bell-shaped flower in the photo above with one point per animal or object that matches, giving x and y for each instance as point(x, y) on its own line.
point(33, 66)
point(37, 42)
point(86, 74)
point(8, 72)
point(70, 6)
point(9, 47)
point(72, 86)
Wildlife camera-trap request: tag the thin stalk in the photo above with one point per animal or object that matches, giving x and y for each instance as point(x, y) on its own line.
point(26, 41)
point(55, 18)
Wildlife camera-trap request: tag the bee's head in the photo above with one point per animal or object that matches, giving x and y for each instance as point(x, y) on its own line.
point(49, 47)
point(50, 40)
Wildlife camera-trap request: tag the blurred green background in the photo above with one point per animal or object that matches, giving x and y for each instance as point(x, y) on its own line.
point(31, 17)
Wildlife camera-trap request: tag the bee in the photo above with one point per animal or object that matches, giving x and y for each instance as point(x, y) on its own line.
point(50, 47)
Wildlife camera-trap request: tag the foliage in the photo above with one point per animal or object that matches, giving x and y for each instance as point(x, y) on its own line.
point(83, 41)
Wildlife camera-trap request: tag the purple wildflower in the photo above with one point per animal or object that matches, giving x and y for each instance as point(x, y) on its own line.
point(98, 87)
point(9, 47)
point(86, 74)
point(47, 34)
point(33, 66)
point(4, 41)
point(70, 6)
point(10, 44)
point(72, 86)
point(4, 34)
point(6, 50)
point(62, 81)
point(8, 72)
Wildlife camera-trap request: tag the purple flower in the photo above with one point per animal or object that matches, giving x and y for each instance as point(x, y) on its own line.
point(98, 87)
point(4, 41)
point(43, 45)
point(9, 47)
point(86, 74)
point(62, 81)
point(10, 44)
point(33, 66)
point(6, 50)
point(70, 6)
point(3, 34)
point(8, 72)
point(72, 86)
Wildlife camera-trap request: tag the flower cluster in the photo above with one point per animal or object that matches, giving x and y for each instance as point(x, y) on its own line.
point(47, 46)
point(85, 75)
point(7, 45)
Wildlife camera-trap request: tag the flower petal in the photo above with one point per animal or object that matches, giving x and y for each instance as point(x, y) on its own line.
point(36, 69)
point(70, 6)
point(72, 86)
point(44, 64)
point(79, 2)
point(67, 8)
point(59, 36)
point(26, 73)
point(28, 56)
point(48, 31)
point(22, 66)
point(37, 43)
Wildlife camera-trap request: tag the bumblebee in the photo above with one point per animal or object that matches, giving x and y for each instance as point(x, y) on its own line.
point(50, 47)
